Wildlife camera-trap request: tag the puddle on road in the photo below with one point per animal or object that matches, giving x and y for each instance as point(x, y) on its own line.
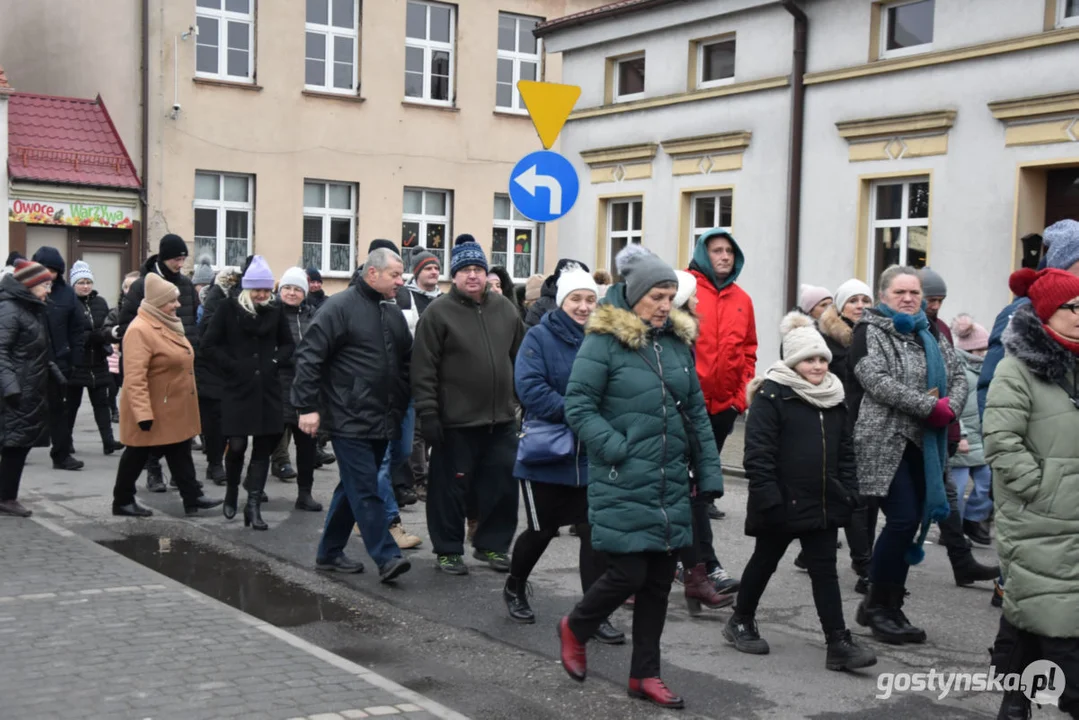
point(246, 585)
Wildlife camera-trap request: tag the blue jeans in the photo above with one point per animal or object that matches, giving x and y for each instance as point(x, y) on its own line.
point(975, 508)
point(356, 501)
point(397, 453)
point(902, 508)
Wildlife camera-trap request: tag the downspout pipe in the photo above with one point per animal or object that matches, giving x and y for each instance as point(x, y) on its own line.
point(794, 169)
point(143, 193)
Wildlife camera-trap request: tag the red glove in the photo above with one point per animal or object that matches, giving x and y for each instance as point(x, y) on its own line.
point(942, 415)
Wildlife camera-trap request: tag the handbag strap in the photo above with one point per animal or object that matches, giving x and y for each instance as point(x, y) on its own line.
point(677, 401)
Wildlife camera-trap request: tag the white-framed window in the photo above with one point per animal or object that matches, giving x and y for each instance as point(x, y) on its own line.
point(429, 52)
point(625, 218)
point(329, 227)
point(224, 209)
point(519, 58)
point(708, 210)
point(715, 63)
point(225, 44)
point(1068, 13)
point(513, 240)
point(906, 28)
point(332, 45)
point(425, 224)
point(899, 224)
point(629, 78)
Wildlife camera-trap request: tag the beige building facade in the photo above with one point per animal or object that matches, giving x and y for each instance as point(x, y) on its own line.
point(303, 130)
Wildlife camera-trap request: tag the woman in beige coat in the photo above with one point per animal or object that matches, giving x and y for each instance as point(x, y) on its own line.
point(159, 407)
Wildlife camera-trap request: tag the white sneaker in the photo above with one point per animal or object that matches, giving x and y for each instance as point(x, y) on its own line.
point(403, 538)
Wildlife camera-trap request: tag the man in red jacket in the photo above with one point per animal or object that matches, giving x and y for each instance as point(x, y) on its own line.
point(726, 352)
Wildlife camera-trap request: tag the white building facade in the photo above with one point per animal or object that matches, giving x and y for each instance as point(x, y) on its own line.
point(936, 132)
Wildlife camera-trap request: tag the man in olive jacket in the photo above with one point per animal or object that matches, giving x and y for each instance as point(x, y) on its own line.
point(462, 387)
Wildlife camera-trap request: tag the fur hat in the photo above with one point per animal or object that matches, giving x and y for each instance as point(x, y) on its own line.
point(969, 335)
point(801, 340)
point(573, 277)
point(159, 291)
point(1047, 289)
point(687, 286)
point(810, 296)
point(296, 277)
point(204, 272)
point(849, 289)
point(80, 270)
point(258, 275)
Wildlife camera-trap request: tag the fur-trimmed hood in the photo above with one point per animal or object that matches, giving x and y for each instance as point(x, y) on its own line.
point(227, 278)
point(1029, 342)
point(832, 325)
point(632, 332)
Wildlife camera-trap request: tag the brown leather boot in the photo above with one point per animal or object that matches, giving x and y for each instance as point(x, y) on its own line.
point(701, 591)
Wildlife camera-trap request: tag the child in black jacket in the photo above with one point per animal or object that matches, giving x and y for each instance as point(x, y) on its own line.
point(799, 460)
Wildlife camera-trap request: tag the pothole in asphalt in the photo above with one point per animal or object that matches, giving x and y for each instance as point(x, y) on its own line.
point(246, 585)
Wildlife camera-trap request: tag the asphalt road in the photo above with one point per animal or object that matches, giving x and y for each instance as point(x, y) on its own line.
point(450, 639)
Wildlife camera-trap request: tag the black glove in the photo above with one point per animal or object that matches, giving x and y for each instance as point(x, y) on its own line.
point(145, 425)
point(431, 429)
point(13, 400)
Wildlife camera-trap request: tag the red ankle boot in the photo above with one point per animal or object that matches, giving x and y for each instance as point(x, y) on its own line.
point(574, 658)
point(701, 591)
point(654, 690)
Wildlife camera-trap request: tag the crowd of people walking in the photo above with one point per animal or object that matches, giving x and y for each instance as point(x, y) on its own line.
point(601, 406)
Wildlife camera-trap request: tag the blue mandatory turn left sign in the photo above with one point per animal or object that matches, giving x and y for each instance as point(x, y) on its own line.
point(543, 186)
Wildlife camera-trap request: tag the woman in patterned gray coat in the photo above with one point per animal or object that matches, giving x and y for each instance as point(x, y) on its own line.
point(914, 388)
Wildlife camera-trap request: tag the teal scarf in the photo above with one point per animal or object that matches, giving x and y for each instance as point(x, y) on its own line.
point(934, 440)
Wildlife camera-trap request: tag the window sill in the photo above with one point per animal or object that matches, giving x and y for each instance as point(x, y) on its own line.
point(906, 52)
point(709, 84)
point(430, 106)
point(347, 97)
point(511, 113)
point(239, 85)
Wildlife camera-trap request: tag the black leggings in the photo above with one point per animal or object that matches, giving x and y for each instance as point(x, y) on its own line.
point(259, 467)
point(819, 553)
point(531, 544)
point(305, 459)
point(12, 461)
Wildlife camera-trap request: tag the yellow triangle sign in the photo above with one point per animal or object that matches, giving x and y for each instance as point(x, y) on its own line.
point(549, 104)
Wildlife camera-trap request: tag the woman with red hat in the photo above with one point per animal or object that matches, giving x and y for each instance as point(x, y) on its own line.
point(1031, 424)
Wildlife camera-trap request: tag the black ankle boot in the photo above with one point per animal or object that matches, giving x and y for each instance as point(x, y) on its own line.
point(304, 501)
point(515, 595)
point(232, 493)
point(1014, 706)
point(253, 513)
point(909, 633)
point(968, 571)
point(845, 654)
point(875, 612)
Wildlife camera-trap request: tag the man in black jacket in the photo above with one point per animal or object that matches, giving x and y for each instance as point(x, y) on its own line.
point(353, 364)
point(315, 294)
point(68, 329)
point(170, 258)
point(462, 383)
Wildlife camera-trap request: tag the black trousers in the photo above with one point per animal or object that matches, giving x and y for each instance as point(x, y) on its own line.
point(951, 528)
point(648, 576)
point(133, 460)
point(531, 544)
point(258, 469)
point(705, 550)
point(99, 400)
point(819, 553)
point(114, 390)
point(479, 460)
point(213, 441)
point(306, 448)
point(12, 461)
point(59, 425)
point(1014, 649)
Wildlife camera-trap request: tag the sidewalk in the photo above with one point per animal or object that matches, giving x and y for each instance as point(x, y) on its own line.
point(90, 634)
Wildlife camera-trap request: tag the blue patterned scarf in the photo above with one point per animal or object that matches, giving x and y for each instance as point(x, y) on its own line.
point(934, 440)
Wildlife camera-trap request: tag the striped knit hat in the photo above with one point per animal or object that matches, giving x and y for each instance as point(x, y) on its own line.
point(30, 273)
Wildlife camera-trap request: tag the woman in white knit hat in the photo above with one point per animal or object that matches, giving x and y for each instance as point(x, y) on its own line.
point(799, 461)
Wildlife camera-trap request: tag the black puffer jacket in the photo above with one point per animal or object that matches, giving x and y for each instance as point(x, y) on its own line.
point(800, 464)
point(299, 320)
point(208, 378)
point(189, 300)
point(92, 369)
point(249, 350)
point(353, 365)
point(24, 367)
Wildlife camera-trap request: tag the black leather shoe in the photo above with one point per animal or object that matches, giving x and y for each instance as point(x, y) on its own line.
point(515, 595)
point(968, 571)
point(1014, 706)
point(232, 493)
point(112, 446)
point(715, 513)
point(202, 503)
point(68, 463)
point(341, 564)
point(393, 569)
point(253, 513)
point(977, 532)
point(608, 634)
point(263, 498)
point(155, 482)
point(304, 501)
point(132, 509)
point(216, 474)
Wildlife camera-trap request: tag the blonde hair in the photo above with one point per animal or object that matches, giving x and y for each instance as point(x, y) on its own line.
point(248, 303)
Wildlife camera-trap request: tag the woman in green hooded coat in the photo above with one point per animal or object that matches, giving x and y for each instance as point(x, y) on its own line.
point(634, 400)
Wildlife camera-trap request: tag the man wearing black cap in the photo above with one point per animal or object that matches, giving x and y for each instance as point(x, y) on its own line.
point(68, 329)
point(315, 294)
point(170, 258)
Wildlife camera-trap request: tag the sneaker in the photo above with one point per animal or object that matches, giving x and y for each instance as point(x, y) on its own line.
point(404, 539)
point(498, 561)
point(341, 564)
point(392, 569)
point(725, 584)
point(452, 565)
point(154, 481)
point(284, 472)
point(68, 463)
point(742, 633)
point(15, 508)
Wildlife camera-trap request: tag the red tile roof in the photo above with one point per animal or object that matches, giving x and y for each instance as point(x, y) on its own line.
point(66, 140)
point(597, 13)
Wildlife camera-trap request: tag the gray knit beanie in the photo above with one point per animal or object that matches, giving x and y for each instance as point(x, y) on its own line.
point(1063, 241)
point(644, 274)
point(932, 284)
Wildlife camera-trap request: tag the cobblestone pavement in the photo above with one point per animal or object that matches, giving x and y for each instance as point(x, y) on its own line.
point(87, 633)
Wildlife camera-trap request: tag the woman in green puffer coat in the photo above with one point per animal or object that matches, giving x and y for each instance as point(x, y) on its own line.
point(638, 428)
point(1031, 427)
